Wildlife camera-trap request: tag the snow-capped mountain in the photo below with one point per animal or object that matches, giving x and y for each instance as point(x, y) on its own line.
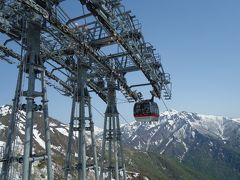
point(58, 133)
point(59, 138)
point(206, 143)
point(180, 129)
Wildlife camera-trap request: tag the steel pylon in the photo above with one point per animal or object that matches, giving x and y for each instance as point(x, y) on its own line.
point(112, 157)
point(81, 122)
point(32, 67)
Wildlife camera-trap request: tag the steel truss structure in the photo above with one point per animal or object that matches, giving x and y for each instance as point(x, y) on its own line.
point(113, 163)
point(94, 50)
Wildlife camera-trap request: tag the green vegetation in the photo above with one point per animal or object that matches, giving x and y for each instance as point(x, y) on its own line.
point(222, 163)
point(155, 167)
point(198, 165)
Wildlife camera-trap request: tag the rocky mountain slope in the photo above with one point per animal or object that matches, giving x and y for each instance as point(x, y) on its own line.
point(59, 138)
point(205, 143)
point(181, 145)
point(59, 134)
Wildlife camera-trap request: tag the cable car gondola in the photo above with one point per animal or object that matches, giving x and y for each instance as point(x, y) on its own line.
point(146, 111)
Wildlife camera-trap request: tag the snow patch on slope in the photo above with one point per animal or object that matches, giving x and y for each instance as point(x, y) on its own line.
point(237, 120)
point(212, 125)
point(5, 110)
point(37, 134)
point(62, 131)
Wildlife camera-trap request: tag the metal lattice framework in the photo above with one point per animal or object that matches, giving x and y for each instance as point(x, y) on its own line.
point(101, 34)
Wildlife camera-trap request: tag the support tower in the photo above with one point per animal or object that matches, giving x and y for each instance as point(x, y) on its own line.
point(31, 70)
point(112, 162)
point(81, 122)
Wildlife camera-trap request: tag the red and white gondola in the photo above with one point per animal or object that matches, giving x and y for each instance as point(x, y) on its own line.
point(146, 111)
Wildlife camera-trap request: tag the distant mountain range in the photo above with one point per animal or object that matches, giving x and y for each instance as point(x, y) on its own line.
point(207, 144)
point(181, 145)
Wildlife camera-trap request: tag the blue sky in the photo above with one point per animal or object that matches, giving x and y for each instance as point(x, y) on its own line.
point(199, 42)
point(200, 46)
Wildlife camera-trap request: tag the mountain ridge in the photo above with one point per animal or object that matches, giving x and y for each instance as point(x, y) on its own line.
point(194, 140)
point(181, 144)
